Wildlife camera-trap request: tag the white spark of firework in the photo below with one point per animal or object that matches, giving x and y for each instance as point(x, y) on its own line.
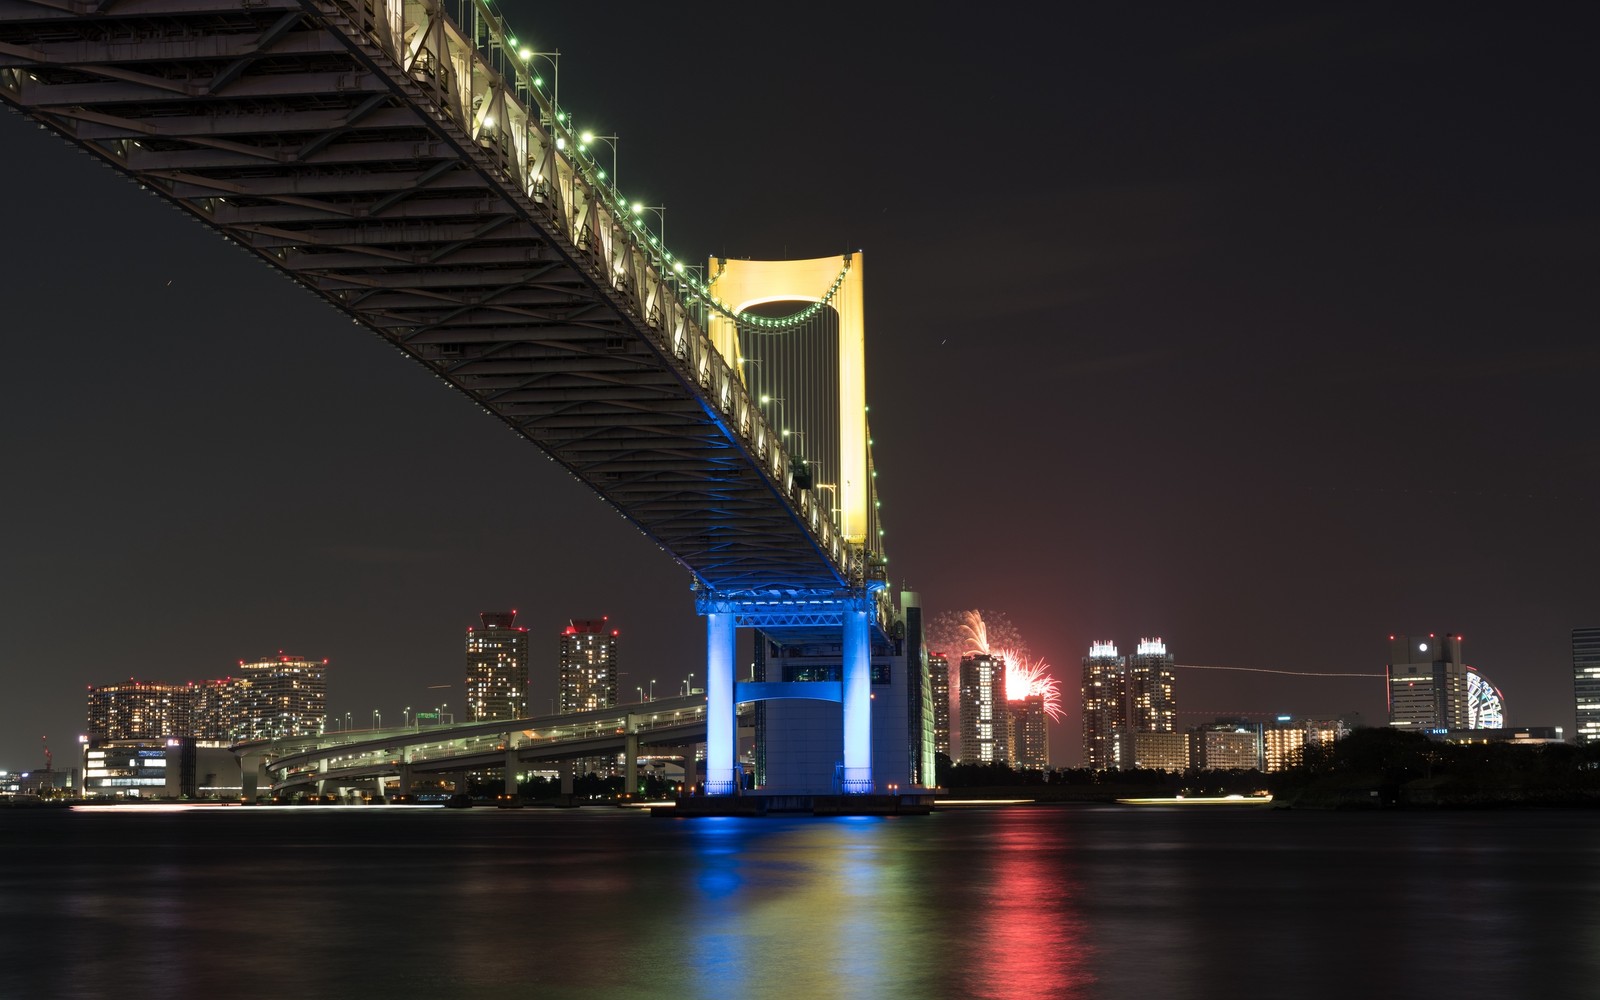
point(1027, 677)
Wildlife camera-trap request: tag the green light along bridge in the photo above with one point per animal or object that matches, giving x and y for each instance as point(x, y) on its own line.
point(404, 161)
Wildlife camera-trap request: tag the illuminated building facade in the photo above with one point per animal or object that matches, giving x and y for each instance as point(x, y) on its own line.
point(1586, 682)
point(1152, 705)
point(218, 709)
point(1105, 707)
point(985, 724)
point(1226, 745)
point(1161, 751)
point(1030, 733)
point(497, 668)
point(280, 696)
point(140, 710)
point(1427, 682)
point(588, 678)
point(939, 684)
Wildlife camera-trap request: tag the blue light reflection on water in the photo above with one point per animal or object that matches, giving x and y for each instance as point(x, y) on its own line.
point(1033, 902)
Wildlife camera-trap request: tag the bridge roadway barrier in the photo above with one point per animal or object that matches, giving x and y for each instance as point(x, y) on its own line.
point(473, 746)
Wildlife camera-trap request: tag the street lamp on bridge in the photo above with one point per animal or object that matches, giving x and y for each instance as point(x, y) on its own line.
point(554, 59)
point(640, 208)
point(589, 138)
point(377, 719)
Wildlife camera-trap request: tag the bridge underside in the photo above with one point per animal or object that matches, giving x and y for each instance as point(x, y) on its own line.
point(292, 129)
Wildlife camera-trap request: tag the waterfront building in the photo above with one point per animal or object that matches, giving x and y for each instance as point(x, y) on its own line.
point(1427, 682)
point(140, 710)
point(280, 696)
point(1161, 751)
point(1030, 733)
point(985, 724)
point(1519, 736)
point(1225, 745)
point(1105, 708)
point(497, 668)
point(939, 685)
point(218, 709)
point(1586, 682)
point(588, 670)
point(1285, 739)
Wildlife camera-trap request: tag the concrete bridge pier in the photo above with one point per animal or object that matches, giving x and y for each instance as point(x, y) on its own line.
point(721, 651)
point(510, 783)
point(403, 785)
point(630, 752)
point(566, 777)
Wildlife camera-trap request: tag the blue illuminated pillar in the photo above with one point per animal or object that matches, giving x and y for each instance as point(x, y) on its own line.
point(720, 738)
point(857, 702)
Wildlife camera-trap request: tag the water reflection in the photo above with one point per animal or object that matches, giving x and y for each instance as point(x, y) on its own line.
point(397, 904)
point(1031, 939)
point(812, 908)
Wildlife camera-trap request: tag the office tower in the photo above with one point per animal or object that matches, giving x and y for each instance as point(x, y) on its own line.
point(1105, 710)
point(280, 696)
point(1226, 745)
point(497, 668)
point(1427, 683)
point(1030, 734)
point(1586, 682)
point(985, 726)
point(939, 679)
point(139, 710)
point(588, 679)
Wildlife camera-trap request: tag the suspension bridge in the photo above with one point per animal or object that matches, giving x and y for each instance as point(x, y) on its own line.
point(404, 161)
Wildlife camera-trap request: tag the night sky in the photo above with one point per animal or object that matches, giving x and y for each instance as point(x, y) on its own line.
point(1269, 330)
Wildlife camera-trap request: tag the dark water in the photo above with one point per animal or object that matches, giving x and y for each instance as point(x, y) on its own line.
point(1037, 901)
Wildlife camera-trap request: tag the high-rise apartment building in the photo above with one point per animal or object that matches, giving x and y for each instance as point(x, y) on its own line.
point(939, 681)
point(985, 725)
point(497, 668)
point(1586, 682)
point(1427, 683)
point(272, 697)
point(1030, 733)
point(1152, 705)
point(280, 696)
point(140, 710)
point(1105, 708)
point(588, 679)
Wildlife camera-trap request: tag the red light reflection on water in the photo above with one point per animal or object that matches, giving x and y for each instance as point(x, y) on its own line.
point(1031, 938)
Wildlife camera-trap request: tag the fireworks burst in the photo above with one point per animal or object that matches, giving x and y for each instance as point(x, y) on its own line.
point(1026, 677)
point(960, 633)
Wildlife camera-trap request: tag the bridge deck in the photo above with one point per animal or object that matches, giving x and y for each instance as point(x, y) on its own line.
point(353, 145)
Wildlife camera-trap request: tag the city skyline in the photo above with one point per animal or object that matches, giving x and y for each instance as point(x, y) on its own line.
point(1281, 344)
